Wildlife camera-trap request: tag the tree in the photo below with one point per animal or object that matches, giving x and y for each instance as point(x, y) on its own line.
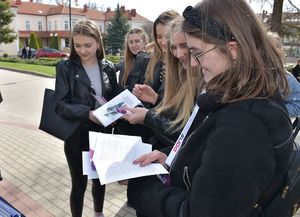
point(275, 22)
point(7, 34)
point(33, 43)
point(116, 31)
point(54, 41)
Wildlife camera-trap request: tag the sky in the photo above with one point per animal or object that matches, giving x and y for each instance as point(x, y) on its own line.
point(150, 9)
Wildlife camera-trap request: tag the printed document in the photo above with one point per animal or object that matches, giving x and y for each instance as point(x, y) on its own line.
point(114, 154)
point(112, 110)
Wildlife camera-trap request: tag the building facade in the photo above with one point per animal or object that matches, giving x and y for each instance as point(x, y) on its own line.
point(47, 21)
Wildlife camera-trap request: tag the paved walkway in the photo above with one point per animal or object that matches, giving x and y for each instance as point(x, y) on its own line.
point(32, 163)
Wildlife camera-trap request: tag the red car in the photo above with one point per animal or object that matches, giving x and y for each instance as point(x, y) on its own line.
point(50, 52)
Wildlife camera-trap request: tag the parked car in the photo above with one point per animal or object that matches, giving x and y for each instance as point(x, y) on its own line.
point(33, 52)
point(50, 52)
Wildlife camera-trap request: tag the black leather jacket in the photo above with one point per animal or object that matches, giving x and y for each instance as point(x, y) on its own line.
point(137, 74)
point(83, 101)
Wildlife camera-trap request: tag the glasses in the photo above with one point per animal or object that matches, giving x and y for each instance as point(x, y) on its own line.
point(196, 55)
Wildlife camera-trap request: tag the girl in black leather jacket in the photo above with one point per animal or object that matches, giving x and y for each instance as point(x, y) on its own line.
point(91, 75)
point(132, 71)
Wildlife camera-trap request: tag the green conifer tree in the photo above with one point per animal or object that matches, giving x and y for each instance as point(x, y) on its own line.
point(33, 43)
point(7, 34)
point(116, 31)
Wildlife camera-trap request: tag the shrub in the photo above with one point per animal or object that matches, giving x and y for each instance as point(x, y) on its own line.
point(114, 59)
point(5, 55)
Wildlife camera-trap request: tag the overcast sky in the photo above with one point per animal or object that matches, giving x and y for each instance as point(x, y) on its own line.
point(152, 8)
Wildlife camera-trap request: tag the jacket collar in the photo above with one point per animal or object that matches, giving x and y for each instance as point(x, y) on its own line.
point(208, 102)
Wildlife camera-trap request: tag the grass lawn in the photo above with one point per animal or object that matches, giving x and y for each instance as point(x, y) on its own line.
point(39, 69)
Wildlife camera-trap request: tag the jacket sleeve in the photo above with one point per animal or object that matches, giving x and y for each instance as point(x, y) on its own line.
point(292, 102)
point(65, 106)
point(108, 67)
point(159, 124)
point(234, 168)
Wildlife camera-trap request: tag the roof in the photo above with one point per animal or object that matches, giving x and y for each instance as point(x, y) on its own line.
point(32, 8)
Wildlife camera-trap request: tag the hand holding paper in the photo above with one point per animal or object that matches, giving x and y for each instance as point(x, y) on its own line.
point(112, 110)
point(114, 156)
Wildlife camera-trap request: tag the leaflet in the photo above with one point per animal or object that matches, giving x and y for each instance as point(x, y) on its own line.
point(112, 110)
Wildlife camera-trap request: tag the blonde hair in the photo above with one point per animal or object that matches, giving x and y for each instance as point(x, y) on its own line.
point(258, 71)
point(181, 85)
point(129, 56)
point(87, 28)
point(157, 54)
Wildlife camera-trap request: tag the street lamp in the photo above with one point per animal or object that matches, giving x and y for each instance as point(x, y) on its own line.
point(70, 23)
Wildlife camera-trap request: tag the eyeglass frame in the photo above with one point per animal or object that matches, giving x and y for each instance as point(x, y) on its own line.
point(197, 56)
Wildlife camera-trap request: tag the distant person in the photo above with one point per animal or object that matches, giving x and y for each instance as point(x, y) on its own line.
point(93, 75)
point(296, 70)
point(24, 53)
point(29, 53)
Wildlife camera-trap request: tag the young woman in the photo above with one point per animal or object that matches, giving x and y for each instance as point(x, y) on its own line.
point(229, 159)
point(92, 76)
point(132, 70)
point(155, 72)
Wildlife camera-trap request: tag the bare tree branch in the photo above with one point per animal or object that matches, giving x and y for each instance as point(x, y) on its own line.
point(294, 6)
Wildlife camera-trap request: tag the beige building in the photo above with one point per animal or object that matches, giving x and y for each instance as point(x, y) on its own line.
point(47, 20)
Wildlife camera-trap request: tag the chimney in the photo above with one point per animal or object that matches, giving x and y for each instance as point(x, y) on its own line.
point(108, 10)
point(133, 12)
point(18, 2)
point(122, 9)
point(85, 8)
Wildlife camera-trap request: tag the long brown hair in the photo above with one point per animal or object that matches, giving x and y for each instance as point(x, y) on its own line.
point(87, 28)
point(129, 56)
point(258, 70)
point(157, 53)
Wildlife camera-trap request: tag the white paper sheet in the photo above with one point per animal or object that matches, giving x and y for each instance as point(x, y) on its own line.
point(87, 167)
point(114, 154)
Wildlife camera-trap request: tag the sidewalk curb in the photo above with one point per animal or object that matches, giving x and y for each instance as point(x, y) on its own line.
point(27, 72)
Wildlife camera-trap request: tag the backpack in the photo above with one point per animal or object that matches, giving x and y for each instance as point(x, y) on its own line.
point(286, 201)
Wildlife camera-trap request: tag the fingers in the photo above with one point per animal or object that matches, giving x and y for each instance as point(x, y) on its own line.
point(154, 156)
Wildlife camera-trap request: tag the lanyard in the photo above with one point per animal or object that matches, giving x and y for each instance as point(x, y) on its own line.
point(181, 137)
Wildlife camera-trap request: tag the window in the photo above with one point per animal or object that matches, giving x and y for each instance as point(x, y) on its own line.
point(40, 27)
point(55, 25)
point(101, 28)
point(66, 25)
point(73, 24)
point(49, 26)
point(27, 25)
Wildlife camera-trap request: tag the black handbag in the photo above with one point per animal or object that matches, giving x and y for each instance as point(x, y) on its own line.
point(53, 123)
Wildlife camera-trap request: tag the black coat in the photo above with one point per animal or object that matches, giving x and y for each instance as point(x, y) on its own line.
point(79, 108)
point(224, 165)
point(137, 74)
point(160, 126)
